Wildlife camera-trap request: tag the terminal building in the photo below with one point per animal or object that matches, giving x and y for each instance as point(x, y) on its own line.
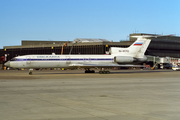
point(160, 47)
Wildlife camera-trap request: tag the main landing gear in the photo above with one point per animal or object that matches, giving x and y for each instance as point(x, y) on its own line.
point(89, 71)
point(30, 71)
point(103, 71)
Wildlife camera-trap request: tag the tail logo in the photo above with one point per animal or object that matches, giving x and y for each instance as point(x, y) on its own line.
point(138, 44)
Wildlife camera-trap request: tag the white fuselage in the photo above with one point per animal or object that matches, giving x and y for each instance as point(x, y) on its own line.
point(59, 61)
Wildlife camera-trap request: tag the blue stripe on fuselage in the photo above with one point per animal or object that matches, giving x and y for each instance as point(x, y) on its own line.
point(76, 59)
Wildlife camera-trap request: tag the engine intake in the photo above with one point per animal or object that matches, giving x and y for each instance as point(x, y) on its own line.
point(124, 59)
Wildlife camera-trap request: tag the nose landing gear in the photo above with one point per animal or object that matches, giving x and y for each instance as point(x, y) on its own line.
point(103, 71)
point(30, 71)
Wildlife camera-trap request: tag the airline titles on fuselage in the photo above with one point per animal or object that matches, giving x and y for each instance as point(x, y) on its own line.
point(51, 56)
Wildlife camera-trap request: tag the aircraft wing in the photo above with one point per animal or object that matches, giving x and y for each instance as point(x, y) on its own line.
point(103, 65)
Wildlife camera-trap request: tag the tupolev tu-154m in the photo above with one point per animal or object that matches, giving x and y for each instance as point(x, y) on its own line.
point(118, 57)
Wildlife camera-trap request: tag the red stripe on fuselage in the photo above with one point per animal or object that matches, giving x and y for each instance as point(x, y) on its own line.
point(138, 44)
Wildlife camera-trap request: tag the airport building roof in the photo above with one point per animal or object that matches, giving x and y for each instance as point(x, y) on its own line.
point(157, 37)
point(87, 41)
point(78, 41)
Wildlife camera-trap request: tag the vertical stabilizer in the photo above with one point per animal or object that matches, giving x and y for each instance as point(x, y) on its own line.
point(137, 49)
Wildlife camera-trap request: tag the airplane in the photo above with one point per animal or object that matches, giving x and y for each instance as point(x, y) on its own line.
point(118, 57)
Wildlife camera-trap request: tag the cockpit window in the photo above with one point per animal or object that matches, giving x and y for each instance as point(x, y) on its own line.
point(13, 59)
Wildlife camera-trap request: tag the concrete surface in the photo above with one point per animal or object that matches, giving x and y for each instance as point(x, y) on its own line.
point(73, 95)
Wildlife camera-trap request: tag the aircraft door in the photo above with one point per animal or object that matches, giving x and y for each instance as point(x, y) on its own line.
point(68, 60)
point(87, 59)
point(28, 60)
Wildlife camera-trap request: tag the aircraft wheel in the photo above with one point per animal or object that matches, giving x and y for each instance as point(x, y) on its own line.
point(100, 72)
point(89, 71)
point(30, 73)
point(104, 72)
point(107, 72)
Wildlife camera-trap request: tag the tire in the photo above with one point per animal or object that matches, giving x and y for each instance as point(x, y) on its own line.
point(100, 72)
point(108, 72)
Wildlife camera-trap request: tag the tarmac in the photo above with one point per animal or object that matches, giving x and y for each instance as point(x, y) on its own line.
point(74, 95)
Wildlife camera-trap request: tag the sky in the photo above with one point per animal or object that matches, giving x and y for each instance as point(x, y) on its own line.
point(66, 20)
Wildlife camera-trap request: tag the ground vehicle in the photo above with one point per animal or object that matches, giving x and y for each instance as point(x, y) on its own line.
point(165, 66)
point(176, 68)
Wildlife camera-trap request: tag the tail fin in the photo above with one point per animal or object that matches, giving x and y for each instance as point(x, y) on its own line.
point(137, 49)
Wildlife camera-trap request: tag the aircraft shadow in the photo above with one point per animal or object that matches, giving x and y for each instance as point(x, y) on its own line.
point(111, 72)
point(133, 72)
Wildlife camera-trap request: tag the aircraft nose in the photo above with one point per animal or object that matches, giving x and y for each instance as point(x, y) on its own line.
point(7, 64)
